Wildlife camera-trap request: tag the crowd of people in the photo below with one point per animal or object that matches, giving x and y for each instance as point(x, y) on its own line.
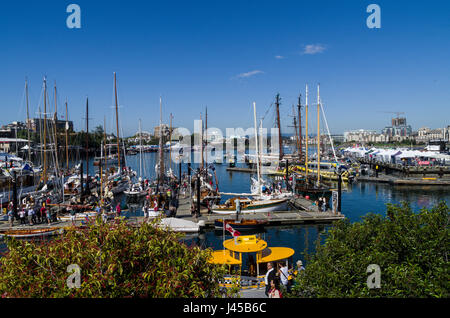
point(31, 212)
point(280, 280)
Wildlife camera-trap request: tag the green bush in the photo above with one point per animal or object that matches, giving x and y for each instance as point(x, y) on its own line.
point(116, 260)
point(410, 248)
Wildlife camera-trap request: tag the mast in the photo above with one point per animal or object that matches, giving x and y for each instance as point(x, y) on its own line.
point(105, 156)
point(117, 122)
point(318, 134)
point(206, 137)
point(55, 119)
point(306, 134)
point(45, 132)
point(257, 149)
point(299, 106)
point(87, 139)
point(67, 138)
point(140, 149)
point(170, 142)
point(28, 120)
point(202, 141)
point(280, 141)
point(161, 150)
point(40, 136)
point(296, 131)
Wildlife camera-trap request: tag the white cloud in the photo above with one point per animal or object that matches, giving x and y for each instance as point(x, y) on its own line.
point(249, 74)
point(279, 57)
point(313, 49)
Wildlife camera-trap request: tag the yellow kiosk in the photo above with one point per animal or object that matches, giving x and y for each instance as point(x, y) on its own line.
point(232, 256)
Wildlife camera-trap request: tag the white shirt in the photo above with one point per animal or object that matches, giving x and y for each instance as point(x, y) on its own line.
point(284, 275)
point(266, 279)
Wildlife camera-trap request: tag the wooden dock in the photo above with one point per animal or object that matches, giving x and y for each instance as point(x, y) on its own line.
point(393, 180)
point(237, 169)
point(303, 212)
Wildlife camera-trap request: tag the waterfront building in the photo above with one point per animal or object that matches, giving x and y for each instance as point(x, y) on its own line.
point(426, 134)
point(399, 130)
point(12, 144)
point(365, 136)
point(165, 129)
point(37, 124)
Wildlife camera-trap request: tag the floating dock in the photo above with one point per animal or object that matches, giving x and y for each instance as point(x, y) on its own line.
point(392, 180)
point(303, 212)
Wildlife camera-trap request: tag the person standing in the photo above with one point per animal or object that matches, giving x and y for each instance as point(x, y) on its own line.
point(22, 216)
point(270, 276)
point(43, 213)
point(30, 216)
point(300, 266)
point(11, 218)
point(72, 216)
point(49, 216)
point(118, 210)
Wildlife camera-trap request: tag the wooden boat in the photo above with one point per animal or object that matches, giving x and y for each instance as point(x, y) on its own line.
point(79, 216)
point(23, 233)
point(251, 206)
point(241, 225)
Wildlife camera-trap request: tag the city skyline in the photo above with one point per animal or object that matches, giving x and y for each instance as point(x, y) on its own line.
point(224, 56)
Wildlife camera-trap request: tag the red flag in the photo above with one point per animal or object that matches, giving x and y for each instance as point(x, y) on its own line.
point(231, 230)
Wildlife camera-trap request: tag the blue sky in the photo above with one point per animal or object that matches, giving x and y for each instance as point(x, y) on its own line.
point(227, 54)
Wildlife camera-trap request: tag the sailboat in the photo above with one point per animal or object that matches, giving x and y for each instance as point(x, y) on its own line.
point(307, 188)
point(138, 188)
point(257, 204)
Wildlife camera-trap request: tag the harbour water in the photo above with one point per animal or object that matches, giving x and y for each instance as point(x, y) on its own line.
point(358, 199)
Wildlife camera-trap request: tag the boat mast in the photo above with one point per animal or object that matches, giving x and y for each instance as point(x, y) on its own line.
point(299, 107)
point(117, 123)
point(318, 134)
point(170, 142)
point(201, 139)
point(67, 138)
point(87, 140)
point(206, 141)
point(28, 121)
point(257, 149)
point(140, 149)
point(296, 131)
point(306, 134)
point(45, 132)
point(280, 141)
point(55, 119)
point(161, 150)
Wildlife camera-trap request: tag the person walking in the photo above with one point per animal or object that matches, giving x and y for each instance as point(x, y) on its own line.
point(11, 218)
point(283, 273)
point(270, 276)
point(274, 291)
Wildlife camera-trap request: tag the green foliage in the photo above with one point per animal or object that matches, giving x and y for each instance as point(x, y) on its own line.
point(116, 260)
point(410, 248)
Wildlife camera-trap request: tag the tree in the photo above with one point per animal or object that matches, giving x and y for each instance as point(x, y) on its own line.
point(116, 260)
point(411, 249)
